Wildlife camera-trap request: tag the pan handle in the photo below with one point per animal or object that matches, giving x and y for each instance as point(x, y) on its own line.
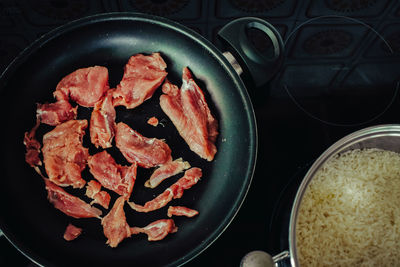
point(234, 37)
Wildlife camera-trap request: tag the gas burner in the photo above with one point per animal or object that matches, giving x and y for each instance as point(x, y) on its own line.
point(349, 5)
point(159, 7)
point(60, 9)
point(279, 225)
point(327, 42)
point(394, 42)
point(256, 6)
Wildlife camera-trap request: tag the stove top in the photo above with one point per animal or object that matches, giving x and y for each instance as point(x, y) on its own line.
point(339, 75)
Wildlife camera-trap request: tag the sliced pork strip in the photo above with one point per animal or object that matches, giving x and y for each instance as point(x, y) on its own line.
point(32, 147)
point(102, 122)
point(194, 103)
point(85, 86)
point(111, 175)
point(147, 152)
point(114, 224)
point(93, 191)
point(170, 89)
point(69, 204)
point(181, 211)
point(142, 76)
point(153, 121)
point(190, 178)
point(157, 230)
point(165, 171)
point(55, 113)
point(189, 112)
point(64, 156)
point(157, 203)
point(72, 232)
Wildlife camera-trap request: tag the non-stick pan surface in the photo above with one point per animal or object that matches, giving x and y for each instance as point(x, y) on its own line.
point(32, 224)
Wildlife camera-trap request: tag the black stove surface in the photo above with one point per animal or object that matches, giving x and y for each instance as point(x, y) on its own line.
point(339, 75)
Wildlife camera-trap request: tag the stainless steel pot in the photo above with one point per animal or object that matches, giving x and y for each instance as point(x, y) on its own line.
point(385, 137)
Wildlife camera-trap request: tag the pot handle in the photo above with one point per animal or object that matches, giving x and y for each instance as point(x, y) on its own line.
point(259, 258)
point(261, 68)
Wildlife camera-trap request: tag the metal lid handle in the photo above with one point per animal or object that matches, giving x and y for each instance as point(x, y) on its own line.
point(259, 258)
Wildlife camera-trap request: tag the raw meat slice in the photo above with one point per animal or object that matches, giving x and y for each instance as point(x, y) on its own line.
point(147, 152)
point(56, 113)
point(194, 103)
point(153, 121)
point(165, 171)
point(112, 176)
point(142, 76)
point(93, 191)
point(191, 177)
point(156, 230)
point(72, 232)
point(63, 154)
point(181, 211)
point(102, 122)
point(32, 147)
point(69, 204)
point(115, 227)
point(189, 112)
point(85, 86)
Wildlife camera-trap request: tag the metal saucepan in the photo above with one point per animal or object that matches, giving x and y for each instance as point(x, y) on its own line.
point(30, 222)
point(386, 137)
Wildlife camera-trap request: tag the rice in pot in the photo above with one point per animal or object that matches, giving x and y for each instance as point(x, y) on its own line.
point(350, 212)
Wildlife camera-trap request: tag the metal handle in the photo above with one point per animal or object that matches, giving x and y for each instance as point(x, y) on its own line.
point(261, 68)
point(259, 258)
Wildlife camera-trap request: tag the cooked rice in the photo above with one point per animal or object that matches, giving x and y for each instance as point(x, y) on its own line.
point(350, 213)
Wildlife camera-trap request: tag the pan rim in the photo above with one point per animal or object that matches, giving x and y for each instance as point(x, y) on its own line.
point(196, 37)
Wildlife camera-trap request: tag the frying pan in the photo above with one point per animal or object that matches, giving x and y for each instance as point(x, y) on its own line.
point(32, 224)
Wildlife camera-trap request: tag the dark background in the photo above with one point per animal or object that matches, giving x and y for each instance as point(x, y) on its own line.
point(338, 76)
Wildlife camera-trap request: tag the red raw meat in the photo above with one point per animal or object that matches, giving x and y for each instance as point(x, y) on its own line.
point(112, 176)
point(156, 230)
point(189, 112)
point(93, 191)
point(69, 204)
point(165, 171)
point(102, 122)
point(115, 227)
point(72, 232)
point(56, 113)
point(191, 177)
point(32, 147)
point(63, 154)
point(181, 211)
point(84, 86)
point(142, 76)
point(147, 152)
point(153, 121)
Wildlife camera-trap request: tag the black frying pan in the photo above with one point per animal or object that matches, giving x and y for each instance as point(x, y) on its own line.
point(32, 224)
